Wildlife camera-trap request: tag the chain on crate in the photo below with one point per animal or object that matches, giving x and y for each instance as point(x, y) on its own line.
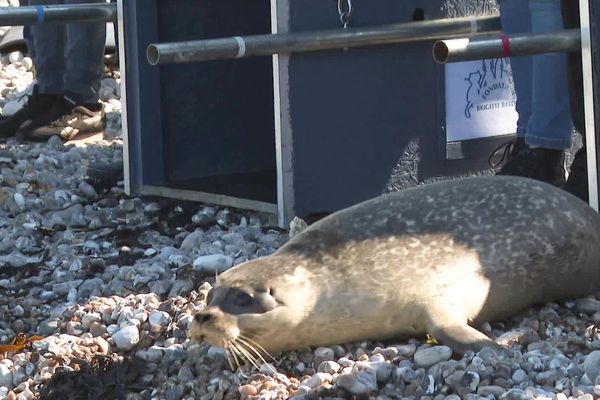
point(345, 11)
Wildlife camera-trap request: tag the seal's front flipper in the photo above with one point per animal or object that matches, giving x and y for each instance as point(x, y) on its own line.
point(461, 338)
point(453, 331)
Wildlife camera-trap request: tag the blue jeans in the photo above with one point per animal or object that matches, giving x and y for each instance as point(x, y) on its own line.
point(68, 58)
point(540, 81)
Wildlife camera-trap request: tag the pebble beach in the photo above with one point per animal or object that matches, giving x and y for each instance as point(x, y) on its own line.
point(98, 290)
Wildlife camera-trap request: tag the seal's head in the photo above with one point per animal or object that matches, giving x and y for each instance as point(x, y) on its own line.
point(251, 303)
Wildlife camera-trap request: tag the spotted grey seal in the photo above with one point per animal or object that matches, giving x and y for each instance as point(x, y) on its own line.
point(434, 259)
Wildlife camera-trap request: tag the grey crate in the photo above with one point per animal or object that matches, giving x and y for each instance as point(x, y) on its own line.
point(293, 135)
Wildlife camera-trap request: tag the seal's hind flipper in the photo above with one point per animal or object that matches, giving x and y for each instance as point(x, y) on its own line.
point(453, 331)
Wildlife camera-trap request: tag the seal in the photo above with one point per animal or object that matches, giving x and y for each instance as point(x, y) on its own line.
point(439, 258)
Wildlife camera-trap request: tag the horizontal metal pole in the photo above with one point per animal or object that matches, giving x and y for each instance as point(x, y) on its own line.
point(467, 49)
point(30, 15)
point(265, 45)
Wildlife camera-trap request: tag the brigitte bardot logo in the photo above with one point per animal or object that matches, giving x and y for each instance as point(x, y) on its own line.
point(487, 85)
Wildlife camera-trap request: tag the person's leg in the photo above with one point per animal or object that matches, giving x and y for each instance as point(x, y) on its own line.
point(550, 123)
point(46, 44)
point(541, 155)
point(49, 44)
point(577, 183)
point(570, 13)
point(28, 34)
point(515, 18)
point(84, 59)
point(79, 112)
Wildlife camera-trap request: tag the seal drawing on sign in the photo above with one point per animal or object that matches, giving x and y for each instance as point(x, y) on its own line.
point(491, 76)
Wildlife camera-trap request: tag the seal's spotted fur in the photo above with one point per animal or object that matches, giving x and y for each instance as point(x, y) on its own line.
point(434, 259)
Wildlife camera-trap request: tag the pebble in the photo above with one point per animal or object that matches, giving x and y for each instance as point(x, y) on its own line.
point(587, 305)
point(127, 337)
point(407, 350)
point(318, 379)
point(214, 263)
point(103, 345)
point(591, 365)
point(159, 321)
point(6, 374)
point(495, 391)
point(427, 357)
point(15, 57)
point(362, 380)
point(330, 367)
point(323, 354)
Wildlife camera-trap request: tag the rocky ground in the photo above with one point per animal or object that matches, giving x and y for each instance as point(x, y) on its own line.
point(97, 291)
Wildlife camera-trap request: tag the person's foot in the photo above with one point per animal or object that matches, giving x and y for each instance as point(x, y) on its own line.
point(577, 183)
point(37, 104)
point(546, 165)
point(507, 150)
point(66, 120)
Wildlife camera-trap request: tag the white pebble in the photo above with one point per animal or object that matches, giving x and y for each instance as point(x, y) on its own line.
point(318, 379)
point(103, 345)
point(214, 263)
point(127, 337)
point(159, 321)
point(87, 319)
point(359, 382)
point(19, 200)
point(330, 367)
point(6, 374)
point(425, 358)
point(27, 63)
point(18, 311)
point(15, 57)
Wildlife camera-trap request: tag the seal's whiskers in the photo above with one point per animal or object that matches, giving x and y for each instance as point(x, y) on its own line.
point(248, 346)
point(256, 345)
point(236, 353)
point(231, 358)
point(245, 354)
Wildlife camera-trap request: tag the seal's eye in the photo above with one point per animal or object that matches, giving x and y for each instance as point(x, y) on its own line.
point(243, 299)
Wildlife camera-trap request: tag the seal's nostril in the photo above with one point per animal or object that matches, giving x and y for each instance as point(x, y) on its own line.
point(203, 318)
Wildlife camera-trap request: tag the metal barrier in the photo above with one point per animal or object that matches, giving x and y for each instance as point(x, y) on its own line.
point(30, 15)
point(467, 49)
point(264, 45)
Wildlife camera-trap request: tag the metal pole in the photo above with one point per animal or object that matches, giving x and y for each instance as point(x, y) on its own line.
point(590, 99)
point(466, 49)
point(16, 16)
point(265, 45)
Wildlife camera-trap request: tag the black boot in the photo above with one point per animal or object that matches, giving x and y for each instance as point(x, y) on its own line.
point(577, 183)
point(545, 165)
point(508, 150)
point(37, 104)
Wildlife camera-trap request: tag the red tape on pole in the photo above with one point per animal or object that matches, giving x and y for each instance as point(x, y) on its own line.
point(505, 45)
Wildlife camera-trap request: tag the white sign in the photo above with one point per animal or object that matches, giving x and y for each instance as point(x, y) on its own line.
point(480, 99)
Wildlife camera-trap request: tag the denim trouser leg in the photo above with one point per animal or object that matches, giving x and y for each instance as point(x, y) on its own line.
point(550, 122)
point(84, 54)
point(69, 57)
point(570, 14)
point(27, 34)
point(515, 18)
point(48, 44)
